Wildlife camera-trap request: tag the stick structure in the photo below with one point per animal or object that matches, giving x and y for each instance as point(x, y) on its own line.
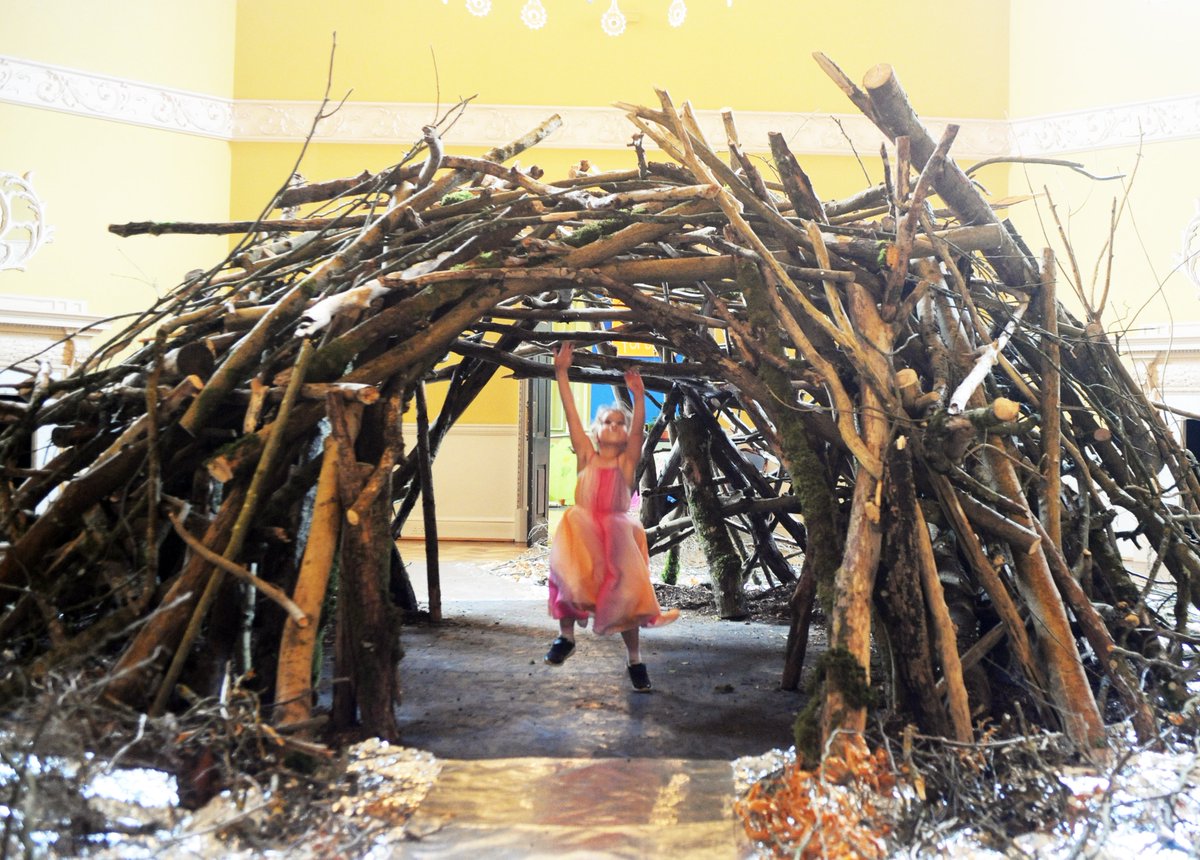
point(890, 413)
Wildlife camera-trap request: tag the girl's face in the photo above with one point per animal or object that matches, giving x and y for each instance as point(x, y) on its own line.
point(611, 428)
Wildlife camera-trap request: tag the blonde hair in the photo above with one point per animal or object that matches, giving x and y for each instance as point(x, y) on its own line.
point(621, 408)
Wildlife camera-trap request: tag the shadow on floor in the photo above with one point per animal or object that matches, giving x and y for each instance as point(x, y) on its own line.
point(475, 686)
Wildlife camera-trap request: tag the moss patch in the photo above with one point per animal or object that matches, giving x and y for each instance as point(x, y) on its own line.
point(670, 574)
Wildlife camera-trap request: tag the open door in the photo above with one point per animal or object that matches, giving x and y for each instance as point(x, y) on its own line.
point(537, 490)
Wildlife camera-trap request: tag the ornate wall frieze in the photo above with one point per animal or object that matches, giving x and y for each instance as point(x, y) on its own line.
point(73, 91)
point(1108, 127)
point(56, 88)
point(583, 127)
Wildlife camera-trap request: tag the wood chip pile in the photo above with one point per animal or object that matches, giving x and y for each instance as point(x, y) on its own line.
point(951, 446)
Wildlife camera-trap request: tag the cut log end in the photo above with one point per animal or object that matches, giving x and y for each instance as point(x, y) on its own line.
point(221, 470)
point(1005, 409)
point(879, 76)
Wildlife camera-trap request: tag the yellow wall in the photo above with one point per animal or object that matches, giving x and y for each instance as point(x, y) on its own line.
point(1091, 54)
point(89, 174)
point(1072, 54)
point(1147, 286)
point(980, 58)
point(181, 44)
point(754, 55)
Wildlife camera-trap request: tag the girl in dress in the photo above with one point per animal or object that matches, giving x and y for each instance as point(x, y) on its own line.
point(599, 563)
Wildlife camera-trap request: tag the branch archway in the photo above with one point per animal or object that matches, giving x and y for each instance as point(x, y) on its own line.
point(954, 443)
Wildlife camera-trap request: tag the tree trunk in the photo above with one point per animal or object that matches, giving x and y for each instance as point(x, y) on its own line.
point(368, 624)
point(369, 618)
point(705, 508)
point(294, 676)
point(849, 675)
point(944, 638)
point(1067, 680)
point(898, 592)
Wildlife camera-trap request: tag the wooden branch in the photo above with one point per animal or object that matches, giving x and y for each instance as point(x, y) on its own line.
point(237, 535)
point(221, 228)
point(796, 184)
point(129, 682)
point(982, 567)
point(167, 407)
point(1050, 497)
point(894, 116)
point(977, 652)
point(991, 355)
point(907, 231)
point(850, 622)
point(1102, 643)
point(293, 676)
point(295, 613)
point(428, 509)
point(860, 99)
point(944, 637)
point(258, 399)
point(287, 308)
point(995, 523)
point(1068, 685)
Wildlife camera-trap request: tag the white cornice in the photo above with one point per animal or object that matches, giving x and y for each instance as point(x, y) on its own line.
point(1107, 127)
point(583, 127)
point(36, 312)
point(1176, 339)
point(73, 91)
point(56, 88)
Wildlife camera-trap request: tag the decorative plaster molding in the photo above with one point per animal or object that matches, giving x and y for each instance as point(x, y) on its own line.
point(51, 87)
point(1189, 256)
point(583, 127)
point(23, 227)
point(56, 88)
point(36, 312)
point(1169, 354)
point(1176, 380)
point(1108, 127)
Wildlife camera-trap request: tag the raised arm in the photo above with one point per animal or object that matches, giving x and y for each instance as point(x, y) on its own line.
point(637, 426)
point(580, 441)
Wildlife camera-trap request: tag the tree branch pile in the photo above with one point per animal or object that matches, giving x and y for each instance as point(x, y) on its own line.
point(953, 446)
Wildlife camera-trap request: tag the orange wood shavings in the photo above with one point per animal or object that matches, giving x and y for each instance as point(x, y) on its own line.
point(836, 811)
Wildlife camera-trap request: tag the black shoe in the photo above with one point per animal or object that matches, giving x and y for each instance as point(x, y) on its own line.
point(560, 650)
point(640, 677)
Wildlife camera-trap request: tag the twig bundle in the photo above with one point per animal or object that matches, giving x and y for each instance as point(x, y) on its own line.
point(954, 445)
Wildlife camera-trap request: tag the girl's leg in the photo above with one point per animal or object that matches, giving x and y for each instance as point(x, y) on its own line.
point(561, 648)
point(632, 645)
point(637, 669)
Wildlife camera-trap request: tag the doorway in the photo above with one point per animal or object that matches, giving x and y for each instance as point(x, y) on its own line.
point(538, 399)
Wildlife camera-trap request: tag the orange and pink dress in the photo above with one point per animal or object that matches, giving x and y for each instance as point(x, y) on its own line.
point(599, 562)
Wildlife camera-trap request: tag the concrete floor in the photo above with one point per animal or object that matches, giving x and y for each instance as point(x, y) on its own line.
point(568, 761)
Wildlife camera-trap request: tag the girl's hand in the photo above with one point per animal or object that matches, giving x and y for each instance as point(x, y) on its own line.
point(564, 356)
point(633, 381)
